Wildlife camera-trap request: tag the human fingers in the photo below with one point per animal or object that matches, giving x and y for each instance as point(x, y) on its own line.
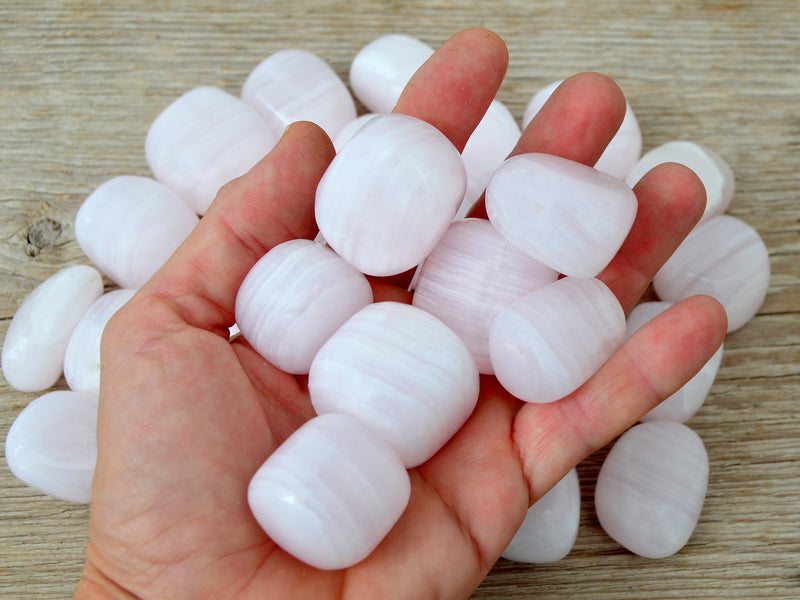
point(272, 203)
point(652, 364)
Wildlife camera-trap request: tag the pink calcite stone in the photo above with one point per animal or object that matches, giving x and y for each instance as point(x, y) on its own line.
point(82, 358)
point(550, 528)
point(683, 404)
point(294, 298)
point(489, 145)
point(52, 445)
point(401, 372)
point(547, 344)
point(625, 147)
point(725, 258)
point(130, 226)
point(710, 167)
point(350, 129)
point(330, 493)
point(388, 197)
point(471, 275)
point(203, 140)
point(36, 340)
point(566, 215)
point(382, 68)
point(295, 85)
point(651, 488)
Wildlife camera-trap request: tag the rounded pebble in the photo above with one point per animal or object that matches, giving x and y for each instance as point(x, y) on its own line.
point(388, 197)
point(651, 488)
point(566, 215)
point(130, 226)
point(724, 258)
point(52, 445)
point(330, 493)
point(294, 298)
point(401, 372)
point(548, 343)
point(37, 338)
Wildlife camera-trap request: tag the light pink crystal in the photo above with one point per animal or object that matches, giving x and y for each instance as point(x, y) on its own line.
point(350, 129)
point(129, 226)
point(296, 85)
point(547, 344)
point(566, 215)
point(330, 493)
point(401, 372)
point(203, 140)
point(388, 197)
point(294, 298)
point(471, 275)
point(651, 488)
point(725, 258)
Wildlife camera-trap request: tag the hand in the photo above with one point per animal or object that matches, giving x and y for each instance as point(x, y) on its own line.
point(186, 416)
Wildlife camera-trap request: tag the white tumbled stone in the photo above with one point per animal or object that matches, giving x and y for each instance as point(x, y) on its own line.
point(296, 85)
point(710, 167)
point(725, 258)
point(82, 358)
point(351, 129)
point(683, 404)
point(566, 215)
point(401, 372)
point(387, 198)
point(550, 528)
point(294, 298)
point(624, 149)
point(330, 493)
point(548, 343)
point(52, 445)
point(382, 68)
point(37, 338)
point(651, 488)
point(130, 225)
point(489, 145)
point(203, 140)
point(473, 274)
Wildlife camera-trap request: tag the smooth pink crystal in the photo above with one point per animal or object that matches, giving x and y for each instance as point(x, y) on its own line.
point(473, 274)
point(566, 215)
point(547, 344)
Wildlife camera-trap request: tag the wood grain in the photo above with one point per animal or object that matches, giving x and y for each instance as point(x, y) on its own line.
point(81, 82)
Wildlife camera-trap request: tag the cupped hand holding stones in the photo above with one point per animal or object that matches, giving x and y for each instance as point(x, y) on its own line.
point(187, 416)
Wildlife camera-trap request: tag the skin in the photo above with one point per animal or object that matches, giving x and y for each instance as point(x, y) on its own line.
point(187, 416)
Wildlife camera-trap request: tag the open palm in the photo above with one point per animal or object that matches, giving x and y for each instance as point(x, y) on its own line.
point(187, 416)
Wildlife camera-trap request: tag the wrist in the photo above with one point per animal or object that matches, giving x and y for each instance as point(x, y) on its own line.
point(94, 585)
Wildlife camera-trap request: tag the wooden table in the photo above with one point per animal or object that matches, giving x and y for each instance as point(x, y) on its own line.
point(81, 82)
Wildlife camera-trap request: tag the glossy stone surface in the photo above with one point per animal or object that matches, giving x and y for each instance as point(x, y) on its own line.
point(37, 338)
point(625, 147)
point(52, 445)
point(683, 404)
point(725, 258)
point(388, 197)
point(489, 145)
point(651, 488)
point(296, 85)
point(330, 493)
point(130, 226)
point(710, 167)
point(350, 129)
point(382, 68)
point(82, 358)
point(550, 528)
point(294, 298)
point(473, 274)
point(547, 344)
point(401, 372)
point(203, 140)
point(566, 215)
